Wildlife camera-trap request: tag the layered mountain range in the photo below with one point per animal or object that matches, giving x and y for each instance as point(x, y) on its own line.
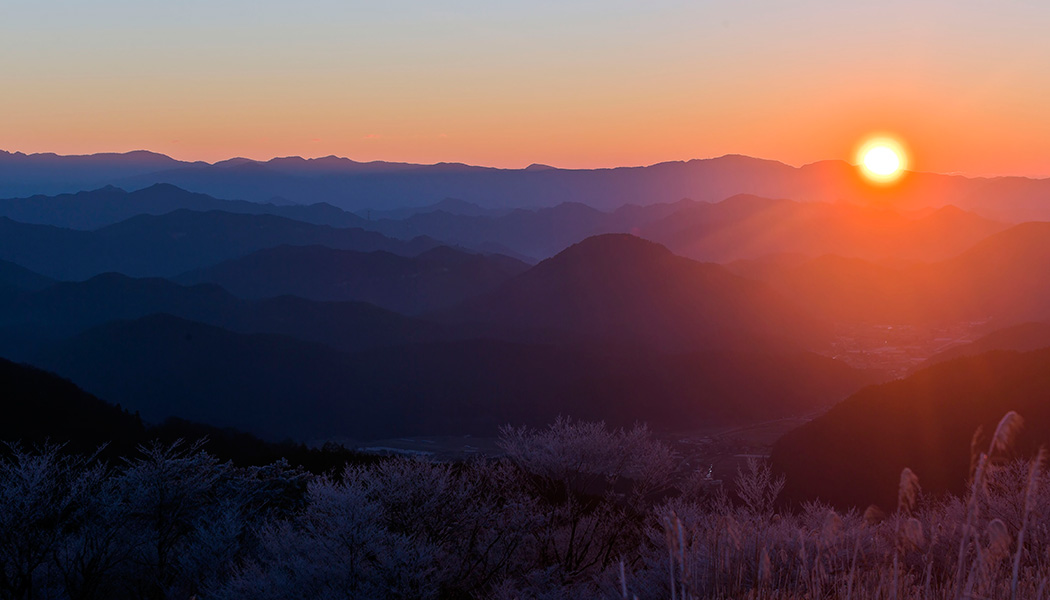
point(327, 299)
point(380, 185)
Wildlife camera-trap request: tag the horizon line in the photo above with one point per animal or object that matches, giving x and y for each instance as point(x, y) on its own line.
point(537, 165)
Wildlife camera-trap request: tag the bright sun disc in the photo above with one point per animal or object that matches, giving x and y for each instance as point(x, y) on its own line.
point(882, 160)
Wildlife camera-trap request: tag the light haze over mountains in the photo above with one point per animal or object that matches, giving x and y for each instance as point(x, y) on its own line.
point(328, 299)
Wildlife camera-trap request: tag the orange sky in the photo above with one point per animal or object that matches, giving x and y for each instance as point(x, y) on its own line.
point(572, 84)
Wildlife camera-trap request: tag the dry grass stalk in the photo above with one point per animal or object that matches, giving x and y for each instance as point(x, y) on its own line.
point(1031, 490)
point(1005, 432)
point(873, 515)
point(907, 491)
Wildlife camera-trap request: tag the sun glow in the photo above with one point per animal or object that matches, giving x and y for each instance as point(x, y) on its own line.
point(882, 160)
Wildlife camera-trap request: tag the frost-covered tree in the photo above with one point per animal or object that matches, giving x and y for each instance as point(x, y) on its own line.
point(594, 486)
point(44, 499)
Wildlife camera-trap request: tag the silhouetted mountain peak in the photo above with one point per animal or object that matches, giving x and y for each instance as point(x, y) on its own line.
point(610, 248)
point(623, 286)
point(166, 188)
point(18, 277)
point(1023, 239)
point(233, 162)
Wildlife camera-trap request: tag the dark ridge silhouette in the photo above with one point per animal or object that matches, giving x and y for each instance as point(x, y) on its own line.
point(15, 277)
point(41, 407)
point(1023, 338)
point(106, 206)
point(435, 279)
point(620, 286)
point(162, 366)
point(853, 455)
point(29, 320)
point(276, 386)
point(174, 243)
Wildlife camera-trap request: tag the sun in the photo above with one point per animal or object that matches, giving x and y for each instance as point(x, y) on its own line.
point(882, 159)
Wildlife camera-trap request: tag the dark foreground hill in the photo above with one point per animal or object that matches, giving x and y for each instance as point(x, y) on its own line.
point(623, 287)
point(435, 279)
point(40, 408)
point(854, 454)
point(276, 386)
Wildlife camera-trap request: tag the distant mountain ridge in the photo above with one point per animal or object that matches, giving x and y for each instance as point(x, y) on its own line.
point(33, 319)
point(176, 242)
point(109, 205)
point(438, 278)
point(739, 227)
point(353, 185)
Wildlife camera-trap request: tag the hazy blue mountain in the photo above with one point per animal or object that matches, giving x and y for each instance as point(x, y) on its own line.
point(48, 173)
point(853, 455)
point(706, 180)
point(109, 205)
point(30, 320)
point(539, 233)
point(379, 185)
point(277, 386)
point(435, 279)
point(740, 227)
point(451, 206)
point(15, 277)
point(620, 286)
point(174, 243)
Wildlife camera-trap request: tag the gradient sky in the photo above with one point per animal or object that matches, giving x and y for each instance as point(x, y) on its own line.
point(569, 83)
